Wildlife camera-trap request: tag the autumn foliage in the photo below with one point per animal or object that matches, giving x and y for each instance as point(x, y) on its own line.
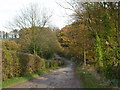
point(94, 37)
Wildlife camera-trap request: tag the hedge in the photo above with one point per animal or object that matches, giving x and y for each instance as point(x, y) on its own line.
point(19, 64)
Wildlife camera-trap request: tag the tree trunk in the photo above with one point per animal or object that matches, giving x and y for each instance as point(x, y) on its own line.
point(84, 57)
point(118, 23)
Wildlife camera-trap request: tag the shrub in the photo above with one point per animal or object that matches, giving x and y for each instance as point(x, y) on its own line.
point(11, 45)
point(19, 64)
point(6, 65)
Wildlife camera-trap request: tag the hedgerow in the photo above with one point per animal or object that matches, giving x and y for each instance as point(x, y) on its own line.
point(19, 64)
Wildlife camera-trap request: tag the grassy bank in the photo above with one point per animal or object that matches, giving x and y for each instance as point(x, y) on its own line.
point(88, 78)
point(17, 80)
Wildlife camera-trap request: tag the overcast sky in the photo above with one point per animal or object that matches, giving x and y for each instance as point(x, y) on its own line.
point(9, 8)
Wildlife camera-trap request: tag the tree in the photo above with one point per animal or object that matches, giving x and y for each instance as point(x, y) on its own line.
point(46, 42)
point(7, 35)
point(3, 34)
point(31, 17)
point(15, 32)
point(0, 34)
point(102, 22)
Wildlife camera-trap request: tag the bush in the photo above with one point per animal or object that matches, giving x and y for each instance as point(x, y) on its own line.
point(7, 65)
point(19, 64)
point(30, 63)
point(11, 45)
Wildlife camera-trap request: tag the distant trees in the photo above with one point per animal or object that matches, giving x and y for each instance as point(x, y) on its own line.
point(7, 35)
point(3, 34)
point(15, 33)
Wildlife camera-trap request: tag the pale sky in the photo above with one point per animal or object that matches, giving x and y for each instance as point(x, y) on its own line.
point(9, 8)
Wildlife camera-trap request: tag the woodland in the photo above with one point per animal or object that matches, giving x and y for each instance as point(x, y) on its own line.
point(92, 38)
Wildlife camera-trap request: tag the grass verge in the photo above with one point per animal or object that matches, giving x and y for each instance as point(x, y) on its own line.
point(17, 80)
point(87, 79)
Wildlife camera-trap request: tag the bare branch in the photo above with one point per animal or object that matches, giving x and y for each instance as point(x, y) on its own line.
point(31, 16)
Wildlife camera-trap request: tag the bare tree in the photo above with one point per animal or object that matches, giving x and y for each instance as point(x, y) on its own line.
point(31, 17)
